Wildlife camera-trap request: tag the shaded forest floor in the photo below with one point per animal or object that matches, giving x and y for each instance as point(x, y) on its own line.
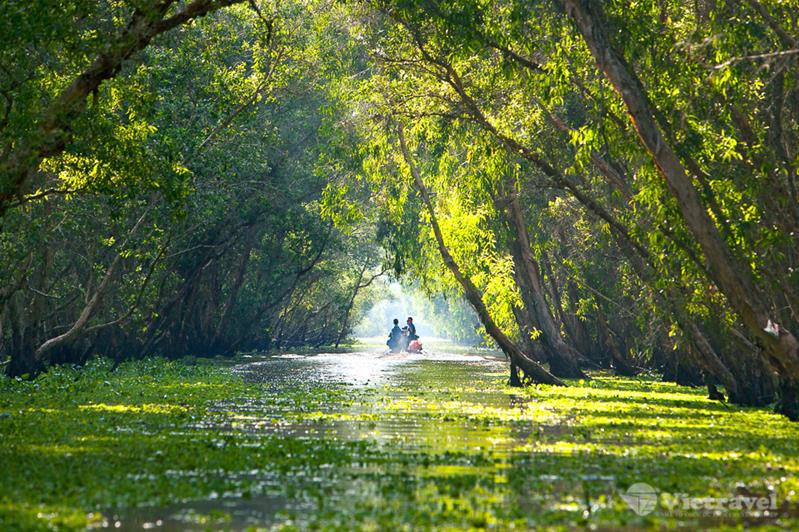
point(361, 440)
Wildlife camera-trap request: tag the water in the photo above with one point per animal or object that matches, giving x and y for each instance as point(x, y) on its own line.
point(408, 410)
point(365, 440)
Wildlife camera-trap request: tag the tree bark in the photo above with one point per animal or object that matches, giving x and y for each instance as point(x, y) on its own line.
point(563, 359)
point(526, 326)
point(710, 362)
point(530, 367)
point(91, 306)
point(358, 287)
point(731, 275)
point(350, 304)
point(235, 288)
point(83, 319)
point(621, 364)
point(705, 356)
point(52, 131)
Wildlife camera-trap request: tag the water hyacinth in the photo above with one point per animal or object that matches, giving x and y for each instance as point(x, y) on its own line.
point(422, 442)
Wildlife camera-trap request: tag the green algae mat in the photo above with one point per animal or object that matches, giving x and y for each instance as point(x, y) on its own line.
point(363, 441)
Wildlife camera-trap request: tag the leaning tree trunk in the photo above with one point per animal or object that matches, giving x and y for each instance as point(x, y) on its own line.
point(526, 326)
point(733, 277)
point(705, 356)
point(674, 301)
point(531, 368)
point(39, 358)
point(575, 326)
point(53, 129)
point(563, 359)
point(235, 289)
point(351, 303)
point(710, 362)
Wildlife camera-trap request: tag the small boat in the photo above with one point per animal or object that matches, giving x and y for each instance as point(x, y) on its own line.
point(415, 346)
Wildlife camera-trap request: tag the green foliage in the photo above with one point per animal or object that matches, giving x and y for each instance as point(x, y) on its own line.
point(510, 90)
point(223, 147)
point(447, 446)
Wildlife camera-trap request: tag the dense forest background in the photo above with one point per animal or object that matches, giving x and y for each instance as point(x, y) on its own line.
point(609, 186)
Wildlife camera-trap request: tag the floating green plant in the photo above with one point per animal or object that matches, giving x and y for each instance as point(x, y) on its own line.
point(441, 444)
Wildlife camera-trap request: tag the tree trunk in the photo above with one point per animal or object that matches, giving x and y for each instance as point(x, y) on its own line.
point(705, 356)
point(235, 288)
point(710, 361)
point(575, 327)
point(731, 275)
point(563, 359)
point(621, 364)
point(526, 326)
point(530, 367)
point(343, 331)
point(83, 319)
point(351, 303)
point(514, 379)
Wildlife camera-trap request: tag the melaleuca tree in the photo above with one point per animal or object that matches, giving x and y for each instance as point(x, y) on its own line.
point(213, 150)
point(521, 73)
point(59, 56)
point(732, 218)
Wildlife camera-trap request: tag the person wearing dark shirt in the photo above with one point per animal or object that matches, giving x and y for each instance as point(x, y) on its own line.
point(395, 337)
point(412, 330)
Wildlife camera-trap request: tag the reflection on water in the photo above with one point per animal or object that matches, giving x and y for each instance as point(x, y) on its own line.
point(392, 402)
point(365, 440)
point(226, 513)
point(357, 368)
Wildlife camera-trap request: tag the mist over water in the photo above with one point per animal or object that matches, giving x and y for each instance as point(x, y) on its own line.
point(437, 317)
point(398, 303)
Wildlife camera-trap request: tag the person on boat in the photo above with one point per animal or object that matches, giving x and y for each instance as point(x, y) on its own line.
point(405, 339)
point(412, 343)
point(394, 342)
point(411, 330)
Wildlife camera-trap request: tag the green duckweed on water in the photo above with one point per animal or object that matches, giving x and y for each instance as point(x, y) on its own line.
point(361, 441)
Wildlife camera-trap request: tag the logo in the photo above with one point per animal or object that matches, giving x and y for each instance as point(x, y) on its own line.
point(642, 498)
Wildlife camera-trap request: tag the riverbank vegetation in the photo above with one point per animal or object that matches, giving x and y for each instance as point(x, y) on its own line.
point(444, 444)
point(604, 191)
point(608, 188)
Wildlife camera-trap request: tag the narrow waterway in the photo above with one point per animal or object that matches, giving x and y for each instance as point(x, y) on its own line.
point(438, 426)
point(366, 440)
